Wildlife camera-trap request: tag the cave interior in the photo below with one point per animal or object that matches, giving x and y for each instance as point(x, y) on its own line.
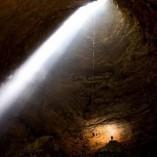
point(97, 97)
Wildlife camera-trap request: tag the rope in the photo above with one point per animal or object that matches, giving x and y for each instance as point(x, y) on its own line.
point(93, 59)
point(91, 98)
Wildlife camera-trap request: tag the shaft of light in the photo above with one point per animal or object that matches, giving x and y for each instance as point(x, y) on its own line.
point(50, 49)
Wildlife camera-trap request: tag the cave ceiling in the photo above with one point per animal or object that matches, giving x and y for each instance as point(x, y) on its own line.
point(70, 101)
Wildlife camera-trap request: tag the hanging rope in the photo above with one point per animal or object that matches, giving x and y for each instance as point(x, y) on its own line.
point(93, 59)
point(88, 106)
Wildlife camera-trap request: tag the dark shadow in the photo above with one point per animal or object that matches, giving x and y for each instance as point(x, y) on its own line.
point(112, 149)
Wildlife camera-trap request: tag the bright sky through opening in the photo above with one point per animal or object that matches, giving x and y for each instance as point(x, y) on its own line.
point(52, 48)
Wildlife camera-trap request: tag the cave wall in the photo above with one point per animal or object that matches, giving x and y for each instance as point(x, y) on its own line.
point(145, 12)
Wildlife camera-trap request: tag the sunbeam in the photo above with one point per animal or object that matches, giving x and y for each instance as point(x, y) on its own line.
point(52, 48)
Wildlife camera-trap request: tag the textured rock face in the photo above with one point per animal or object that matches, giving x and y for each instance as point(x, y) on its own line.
point(71, 104)
point(146, 17)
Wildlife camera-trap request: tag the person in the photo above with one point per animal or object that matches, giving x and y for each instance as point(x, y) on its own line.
point(111, 138)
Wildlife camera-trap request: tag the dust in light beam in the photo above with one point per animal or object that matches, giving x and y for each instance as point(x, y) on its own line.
point(26, 75)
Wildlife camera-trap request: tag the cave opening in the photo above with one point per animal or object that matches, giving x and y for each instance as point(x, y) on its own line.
point(97, 97)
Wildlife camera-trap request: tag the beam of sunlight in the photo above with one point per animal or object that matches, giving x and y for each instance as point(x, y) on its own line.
point(49, 51)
